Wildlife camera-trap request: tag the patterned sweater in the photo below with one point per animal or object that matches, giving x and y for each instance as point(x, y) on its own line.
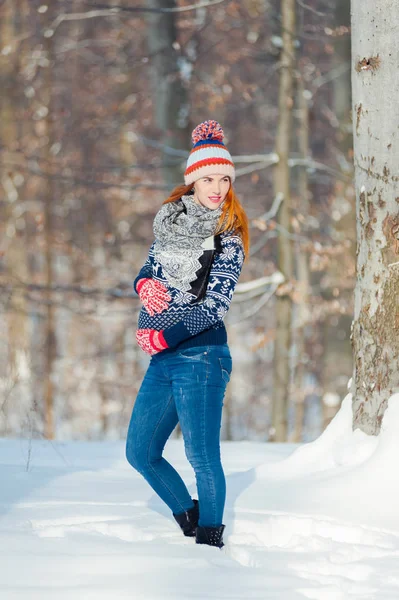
point(188, 321)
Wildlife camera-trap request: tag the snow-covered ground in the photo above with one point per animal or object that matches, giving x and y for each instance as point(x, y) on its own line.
point(317, 521)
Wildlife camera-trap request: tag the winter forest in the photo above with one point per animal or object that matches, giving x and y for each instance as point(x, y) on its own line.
point(97, 103)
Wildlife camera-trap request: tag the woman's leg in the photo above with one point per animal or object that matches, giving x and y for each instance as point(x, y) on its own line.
point(153, 419)
point(199, 378)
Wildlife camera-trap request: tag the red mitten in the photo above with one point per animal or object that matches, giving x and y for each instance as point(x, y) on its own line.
point(151, 341)
point(153, 294)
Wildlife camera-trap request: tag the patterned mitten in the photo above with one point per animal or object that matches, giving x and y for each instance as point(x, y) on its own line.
point(153, 294)
point(151, 341)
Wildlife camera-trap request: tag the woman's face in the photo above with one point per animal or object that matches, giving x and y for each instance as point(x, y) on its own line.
point(211, 191)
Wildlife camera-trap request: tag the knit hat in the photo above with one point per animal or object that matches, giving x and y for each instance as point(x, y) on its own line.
point(209, 154)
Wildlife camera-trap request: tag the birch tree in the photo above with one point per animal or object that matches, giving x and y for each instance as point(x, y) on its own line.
point(375, 89)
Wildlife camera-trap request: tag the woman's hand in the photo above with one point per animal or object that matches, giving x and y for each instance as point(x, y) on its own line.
point(153, 294)
point(151, 341)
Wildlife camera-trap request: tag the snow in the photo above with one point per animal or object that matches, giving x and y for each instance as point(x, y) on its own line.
point(318, 521)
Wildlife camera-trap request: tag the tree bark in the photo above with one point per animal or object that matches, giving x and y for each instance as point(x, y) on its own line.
point(14, 243)
point(285, 254)
point(375, 90)
point(170, 95)
point(302, 264)
point(337, 358)
point(49, 200)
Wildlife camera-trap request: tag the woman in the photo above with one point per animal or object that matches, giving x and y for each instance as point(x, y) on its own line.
point(186, 286)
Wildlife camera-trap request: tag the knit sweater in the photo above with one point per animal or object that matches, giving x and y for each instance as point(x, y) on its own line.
point(188, 321)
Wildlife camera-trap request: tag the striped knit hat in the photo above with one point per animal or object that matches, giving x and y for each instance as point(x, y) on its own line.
point(209, 154)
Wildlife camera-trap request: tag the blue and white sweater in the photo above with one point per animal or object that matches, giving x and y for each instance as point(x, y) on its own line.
point(188, 321)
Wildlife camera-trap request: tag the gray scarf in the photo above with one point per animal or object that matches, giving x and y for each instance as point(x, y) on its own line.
point(183, 231)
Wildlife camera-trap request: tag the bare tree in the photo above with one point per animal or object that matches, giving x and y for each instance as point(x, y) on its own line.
point(170, 97)
point(13, 244)
point(375, 88)
point(49, 200)
point(302, 263)
point(285, 252)
point(82, 149)
point(337, 356)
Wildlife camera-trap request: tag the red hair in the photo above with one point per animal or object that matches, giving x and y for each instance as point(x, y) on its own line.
point(233, 217)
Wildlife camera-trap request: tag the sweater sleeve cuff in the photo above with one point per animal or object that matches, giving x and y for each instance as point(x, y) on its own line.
point(176, 334)
point(158, 341)
point(140, 278)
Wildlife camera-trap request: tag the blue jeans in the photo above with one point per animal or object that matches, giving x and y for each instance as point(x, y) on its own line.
point(185, 386)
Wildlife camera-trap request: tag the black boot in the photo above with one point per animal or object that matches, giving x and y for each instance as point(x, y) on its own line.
point(188, 520)
point(213, 536)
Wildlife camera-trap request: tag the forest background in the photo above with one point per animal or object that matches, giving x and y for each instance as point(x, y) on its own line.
point(97, 104)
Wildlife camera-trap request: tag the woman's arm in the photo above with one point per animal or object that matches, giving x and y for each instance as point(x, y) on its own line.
point(225, 271)
point(152, 293)
point(146, 270)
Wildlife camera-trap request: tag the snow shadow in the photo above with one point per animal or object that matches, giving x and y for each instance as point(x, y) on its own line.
point(30, 467)
point(236, 483)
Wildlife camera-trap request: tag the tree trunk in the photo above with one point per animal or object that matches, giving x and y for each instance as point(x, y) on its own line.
point(302, 264)
point(50, 194)
point(14, 244)
point(285, 255)
point(170, 96)
point(337, 357)
point(375, 89)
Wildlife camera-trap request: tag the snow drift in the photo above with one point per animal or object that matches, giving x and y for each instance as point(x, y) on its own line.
point(316, 521)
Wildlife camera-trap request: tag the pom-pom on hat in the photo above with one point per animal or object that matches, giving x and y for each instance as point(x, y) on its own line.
point(209, 154)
